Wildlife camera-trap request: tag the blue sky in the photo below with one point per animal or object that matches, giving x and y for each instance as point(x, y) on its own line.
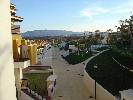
point(74, 15)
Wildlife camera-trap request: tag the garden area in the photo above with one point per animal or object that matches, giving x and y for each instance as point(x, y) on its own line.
point(75, 58)
point(125, 57)
point(37, 82)
point(109, 73)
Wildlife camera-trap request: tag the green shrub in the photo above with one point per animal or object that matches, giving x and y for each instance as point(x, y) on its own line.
point(75, 58)
point(37, 82)
point(109, 74)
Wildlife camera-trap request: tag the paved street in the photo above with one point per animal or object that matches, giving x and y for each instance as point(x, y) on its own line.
point(70, 85)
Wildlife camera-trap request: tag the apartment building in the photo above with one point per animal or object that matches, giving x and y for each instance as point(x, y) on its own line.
point(20, 50)
point(16, 54)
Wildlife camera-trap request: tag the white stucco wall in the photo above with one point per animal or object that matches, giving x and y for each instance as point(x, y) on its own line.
point(7, 79)
point(18, 77)
point(101, 93)
point(126, 94)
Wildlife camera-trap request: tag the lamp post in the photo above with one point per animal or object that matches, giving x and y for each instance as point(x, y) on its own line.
point(95, 67)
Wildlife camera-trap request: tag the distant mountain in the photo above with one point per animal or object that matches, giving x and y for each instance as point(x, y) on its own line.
point(44, 33)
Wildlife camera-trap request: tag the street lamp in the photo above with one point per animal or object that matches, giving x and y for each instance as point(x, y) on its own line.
point(95, 68)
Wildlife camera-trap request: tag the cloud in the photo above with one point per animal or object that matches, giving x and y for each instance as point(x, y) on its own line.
point(89, 12)
point(93, 10)
point(126, 7)
point(120, 10)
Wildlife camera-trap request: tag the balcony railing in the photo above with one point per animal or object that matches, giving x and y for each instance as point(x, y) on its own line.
point(21, 62)
point(20, 59)
point(13, 10)
point(24, 51)
point(20, 55)
point(16, 19)
point(15, 29)
point(32, 50)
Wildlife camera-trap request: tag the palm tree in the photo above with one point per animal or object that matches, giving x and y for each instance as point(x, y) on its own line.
point(78, 46)
point(131, 31)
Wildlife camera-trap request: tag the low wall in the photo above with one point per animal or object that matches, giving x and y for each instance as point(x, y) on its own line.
point(101, 93)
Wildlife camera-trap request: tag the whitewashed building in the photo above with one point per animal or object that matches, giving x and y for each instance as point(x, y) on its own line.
point(7, 78)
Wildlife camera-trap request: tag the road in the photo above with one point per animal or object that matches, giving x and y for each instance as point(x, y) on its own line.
point(70, 84)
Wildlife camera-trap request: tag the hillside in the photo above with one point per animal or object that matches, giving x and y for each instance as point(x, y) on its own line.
point(44, 33)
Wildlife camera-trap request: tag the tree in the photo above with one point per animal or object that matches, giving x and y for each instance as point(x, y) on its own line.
point(98, 36)
point(78, 46)
point(131, 31)
point(110, 39)
point(66, 46)
point(97, 31)
point(124, 34)
point(89, 43)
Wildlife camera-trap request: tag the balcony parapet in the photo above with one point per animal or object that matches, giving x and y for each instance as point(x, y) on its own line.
point(20, 59)
point(20, 55)
point(13, 11)
point(21, 62)
point(12, 5)
point(15, 29)
point(16, 18)
point(32, 50)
